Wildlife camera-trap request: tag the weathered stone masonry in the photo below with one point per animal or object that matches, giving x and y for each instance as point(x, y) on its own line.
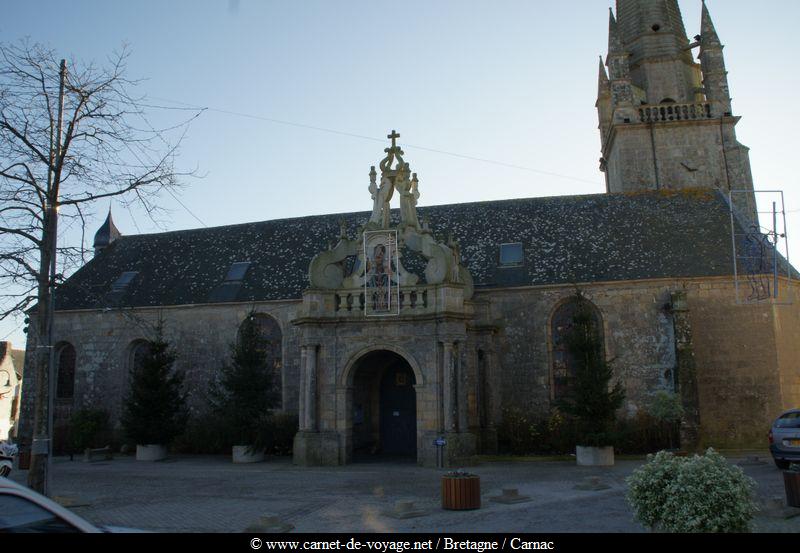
point(479, 283)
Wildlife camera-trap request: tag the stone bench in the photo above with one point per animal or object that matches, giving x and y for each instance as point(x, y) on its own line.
point(98, 454)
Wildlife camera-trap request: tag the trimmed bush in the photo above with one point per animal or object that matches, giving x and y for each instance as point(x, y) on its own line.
point(640, 434)
point(692, 494)
point(206, 433)
point(667, 409)
point(530, 433)
point(88, 428)
point(518, 432)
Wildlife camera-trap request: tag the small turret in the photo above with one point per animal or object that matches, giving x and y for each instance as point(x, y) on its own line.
point(619, 73)
point(106, 234)
point(603, 100)
point(712, 63)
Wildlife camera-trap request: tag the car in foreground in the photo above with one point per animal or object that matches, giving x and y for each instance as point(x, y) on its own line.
point(22, 510)
point(784, 439)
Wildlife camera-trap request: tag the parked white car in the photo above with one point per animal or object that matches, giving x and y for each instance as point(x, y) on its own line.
point(22, 510)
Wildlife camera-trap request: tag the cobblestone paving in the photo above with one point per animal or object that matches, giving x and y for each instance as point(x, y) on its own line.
point(209, 494)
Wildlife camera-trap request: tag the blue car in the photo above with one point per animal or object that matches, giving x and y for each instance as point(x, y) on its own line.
point(784, 439)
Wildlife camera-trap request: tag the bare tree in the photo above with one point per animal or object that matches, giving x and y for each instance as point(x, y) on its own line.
point(67, 139)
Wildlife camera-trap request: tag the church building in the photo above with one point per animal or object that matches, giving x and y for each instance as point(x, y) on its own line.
point(391, 328)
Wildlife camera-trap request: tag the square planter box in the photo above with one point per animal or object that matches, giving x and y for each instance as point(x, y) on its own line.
point(791, 481)
point(241, 454)
point(594, 456)
point(151, 452)
point(461, 493)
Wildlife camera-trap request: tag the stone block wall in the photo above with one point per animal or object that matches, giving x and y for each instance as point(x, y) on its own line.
point(741, 386)
point(747, 357)
point(638, 336)
point(787, 332)
point(201, 335)
point(689, 155)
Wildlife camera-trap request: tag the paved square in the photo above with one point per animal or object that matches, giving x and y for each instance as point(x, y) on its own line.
point(210, 494)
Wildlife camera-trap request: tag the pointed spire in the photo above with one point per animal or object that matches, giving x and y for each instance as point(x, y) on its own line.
point(708, 33)
point(602, 78)
point(106, 234)
point(603, 85)
point(614, 40)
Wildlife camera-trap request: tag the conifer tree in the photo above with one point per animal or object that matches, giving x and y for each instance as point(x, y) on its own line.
point(245, 394)
point(590, 397)
point(155, 409)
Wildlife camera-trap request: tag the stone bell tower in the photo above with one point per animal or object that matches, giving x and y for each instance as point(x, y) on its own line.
point(666, 121)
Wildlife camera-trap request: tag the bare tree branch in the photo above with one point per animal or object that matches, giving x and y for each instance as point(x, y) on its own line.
point(51, 172)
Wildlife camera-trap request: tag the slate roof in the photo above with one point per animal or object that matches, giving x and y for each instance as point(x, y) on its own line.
point(566, 239)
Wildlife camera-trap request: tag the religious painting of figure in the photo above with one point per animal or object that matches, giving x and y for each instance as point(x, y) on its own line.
point(380, 280)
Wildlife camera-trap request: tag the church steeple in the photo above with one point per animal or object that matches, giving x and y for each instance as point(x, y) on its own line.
point(666, 121)
point(639, 18)
point(661, 64)
point(712, 62)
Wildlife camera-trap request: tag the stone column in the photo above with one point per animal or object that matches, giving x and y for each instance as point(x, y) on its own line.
point(301, 402)
point(449, 389)
point(686, 370)
point(491, 403)
point(462, 392)
point(310, 389)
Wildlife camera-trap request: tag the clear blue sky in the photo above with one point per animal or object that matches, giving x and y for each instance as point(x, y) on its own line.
point(509, 81)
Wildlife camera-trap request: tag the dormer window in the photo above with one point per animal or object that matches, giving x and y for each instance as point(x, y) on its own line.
point(229, 288)
point(511, 255)
point(124, 281)
point(237, 271)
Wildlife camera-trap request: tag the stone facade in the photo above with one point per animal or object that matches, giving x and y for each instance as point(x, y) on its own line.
point(742, 384)
point(104, 341)
point(434, 331)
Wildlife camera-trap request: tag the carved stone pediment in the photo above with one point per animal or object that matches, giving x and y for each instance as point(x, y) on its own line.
point(345, 265)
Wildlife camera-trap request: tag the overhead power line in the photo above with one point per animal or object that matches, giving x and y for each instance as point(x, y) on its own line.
point(375, 139)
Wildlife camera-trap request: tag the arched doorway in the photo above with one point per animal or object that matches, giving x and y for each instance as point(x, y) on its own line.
point(384, 407)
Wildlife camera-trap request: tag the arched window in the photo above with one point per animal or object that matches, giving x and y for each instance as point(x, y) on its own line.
point(561, 324)
point(272, 343)
point(65, 379)
point(140, 349)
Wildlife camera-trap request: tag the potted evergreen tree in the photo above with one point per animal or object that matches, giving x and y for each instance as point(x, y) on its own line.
point(155, 408)
point(591, 399)
point(245, 394)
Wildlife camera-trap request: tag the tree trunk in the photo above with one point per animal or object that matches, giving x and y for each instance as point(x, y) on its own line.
point(37, 474)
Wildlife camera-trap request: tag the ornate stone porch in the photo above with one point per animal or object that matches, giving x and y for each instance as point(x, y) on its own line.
point(363, 300)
